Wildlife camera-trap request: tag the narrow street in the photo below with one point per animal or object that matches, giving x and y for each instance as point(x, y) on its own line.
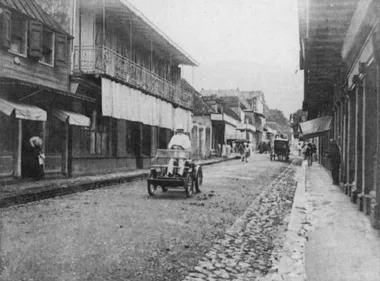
point(120, 233)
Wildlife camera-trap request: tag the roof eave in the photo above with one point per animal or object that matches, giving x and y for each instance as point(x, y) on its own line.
point(186, 59)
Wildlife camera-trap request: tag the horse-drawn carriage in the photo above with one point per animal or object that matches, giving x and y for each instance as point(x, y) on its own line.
point(281, 150)
point(190, 180)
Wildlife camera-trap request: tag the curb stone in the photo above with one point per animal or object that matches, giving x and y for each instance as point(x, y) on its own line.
point(245, 251)
point(291, 265)
point(46, 192)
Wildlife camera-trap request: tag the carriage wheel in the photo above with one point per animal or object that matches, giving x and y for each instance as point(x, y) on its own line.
point(198, 180)
point(189, 186)
point(152, 187)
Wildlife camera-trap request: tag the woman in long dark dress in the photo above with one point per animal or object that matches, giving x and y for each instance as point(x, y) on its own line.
point(37, 157)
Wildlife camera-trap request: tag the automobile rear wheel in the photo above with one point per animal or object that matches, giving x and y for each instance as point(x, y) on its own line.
point(189, 186)
point(198, 180)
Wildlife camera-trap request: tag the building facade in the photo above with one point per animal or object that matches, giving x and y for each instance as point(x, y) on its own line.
point(340, 55)
point(34, 95)
point(103, 96)
point(132, 70)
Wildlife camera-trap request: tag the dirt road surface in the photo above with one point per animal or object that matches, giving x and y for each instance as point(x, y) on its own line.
point(120, 233)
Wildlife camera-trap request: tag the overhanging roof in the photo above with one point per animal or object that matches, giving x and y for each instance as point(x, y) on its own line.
point(22, 111)
point(315, 127)
point(323, 26)
point(31, 9)
point(141, 25)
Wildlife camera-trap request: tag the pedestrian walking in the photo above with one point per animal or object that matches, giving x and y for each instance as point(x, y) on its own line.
point(299, 147)
point(246, 151)
point(241, 150)
point(335, 157)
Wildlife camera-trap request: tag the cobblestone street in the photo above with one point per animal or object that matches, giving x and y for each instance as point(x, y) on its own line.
point(230, 231)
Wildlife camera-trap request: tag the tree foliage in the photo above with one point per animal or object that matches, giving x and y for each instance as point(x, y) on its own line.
point(296, 118)
point(276, 115)
point(59, 10)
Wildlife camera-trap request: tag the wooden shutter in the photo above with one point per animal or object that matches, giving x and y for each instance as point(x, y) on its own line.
point(6, 29)
point(60, 49)
point(35, 39)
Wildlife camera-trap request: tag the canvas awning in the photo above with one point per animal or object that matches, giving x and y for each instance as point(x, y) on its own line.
point(22, 111)
point(72, 118)
point(315, 127)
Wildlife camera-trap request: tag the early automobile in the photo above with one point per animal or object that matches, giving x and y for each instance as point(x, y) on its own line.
point(190, 180)
point(280, 150)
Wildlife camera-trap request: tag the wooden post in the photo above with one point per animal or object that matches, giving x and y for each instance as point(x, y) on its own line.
point(44, 136)
point(154, 140)
point(18, 151)
point(358, 188)
point(364, 93)
point(65, 156)
point(375, 212)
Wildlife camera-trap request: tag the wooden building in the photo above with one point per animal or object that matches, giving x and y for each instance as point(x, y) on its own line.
point(132, 70)
point(340, 56)
point(34, 87)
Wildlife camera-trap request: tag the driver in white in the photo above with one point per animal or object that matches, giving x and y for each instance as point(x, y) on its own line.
point(182, 141)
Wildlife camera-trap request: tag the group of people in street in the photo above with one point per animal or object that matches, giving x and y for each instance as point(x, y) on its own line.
point(308, 149)
point(245, 151)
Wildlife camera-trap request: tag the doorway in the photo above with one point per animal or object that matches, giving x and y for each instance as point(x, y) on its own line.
point(29, 129)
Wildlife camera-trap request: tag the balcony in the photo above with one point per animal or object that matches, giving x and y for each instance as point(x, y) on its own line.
point(104, 61)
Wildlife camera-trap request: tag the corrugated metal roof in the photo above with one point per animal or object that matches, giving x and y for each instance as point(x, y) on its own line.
point(31, 9)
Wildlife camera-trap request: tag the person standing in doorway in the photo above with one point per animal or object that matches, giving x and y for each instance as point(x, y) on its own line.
point(38, 157)
point(334, 155)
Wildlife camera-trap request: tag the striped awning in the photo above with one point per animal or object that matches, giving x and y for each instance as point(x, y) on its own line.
point(22, 111)
point(72, 118)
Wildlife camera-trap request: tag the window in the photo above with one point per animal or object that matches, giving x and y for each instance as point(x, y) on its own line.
point(47, 47)
point(19, 33)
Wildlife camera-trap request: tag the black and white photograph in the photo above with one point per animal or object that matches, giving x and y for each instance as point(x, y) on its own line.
point(189, 140)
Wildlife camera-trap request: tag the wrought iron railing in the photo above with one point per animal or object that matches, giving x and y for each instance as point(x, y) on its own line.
point(103, 60)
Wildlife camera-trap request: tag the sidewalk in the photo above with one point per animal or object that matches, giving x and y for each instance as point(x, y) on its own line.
point(21, 192)
point(328, 238)
point(342, 245)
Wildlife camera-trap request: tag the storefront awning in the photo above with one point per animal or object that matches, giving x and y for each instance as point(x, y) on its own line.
point(315, 127)
point(22, 111)
point(72, 118)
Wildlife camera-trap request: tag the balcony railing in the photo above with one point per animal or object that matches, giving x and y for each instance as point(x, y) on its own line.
point(103, 60)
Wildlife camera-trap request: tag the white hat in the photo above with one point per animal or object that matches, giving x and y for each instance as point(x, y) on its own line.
point(179, 127)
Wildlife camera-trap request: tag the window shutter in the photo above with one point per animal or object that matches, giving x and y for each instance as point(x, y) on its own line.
point(60, 49)
point(6, 29)
point(35, 39)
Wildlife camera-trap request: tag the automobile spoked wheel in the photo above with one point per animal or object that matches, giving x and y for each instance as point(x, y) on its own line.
point(198, 180)
point(152, 188)
point(189, 186)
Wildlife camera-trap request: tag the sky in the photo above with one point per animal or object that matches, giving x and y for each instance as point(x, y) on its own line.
point(245, 44)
